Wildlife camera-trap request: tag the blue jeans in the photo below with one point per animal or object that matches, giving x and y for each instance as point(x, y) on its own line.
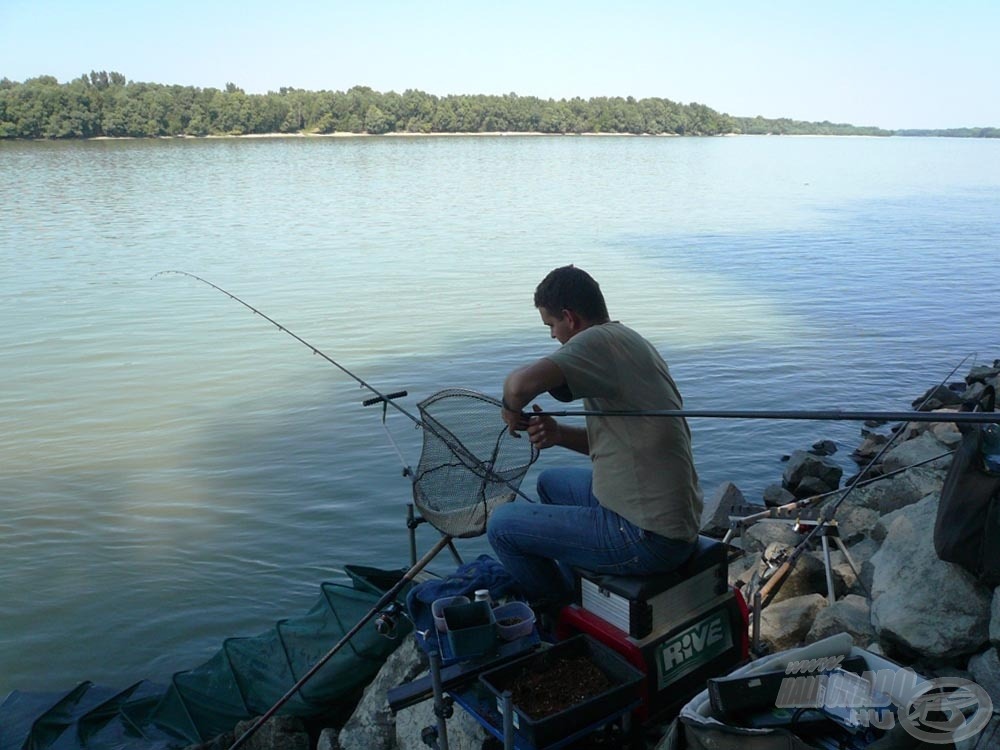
point(538, 543)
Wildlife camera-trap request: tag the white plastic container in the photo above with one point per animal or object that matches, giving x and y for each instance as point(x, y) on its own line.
point(514, 611)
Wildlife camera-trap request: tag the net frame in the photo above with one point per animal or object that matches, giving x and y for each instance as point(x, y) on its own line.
point(468, 467)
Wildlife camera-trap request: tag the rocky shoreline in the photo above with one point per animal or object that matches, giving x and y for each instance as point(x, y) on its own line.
point(904, 603)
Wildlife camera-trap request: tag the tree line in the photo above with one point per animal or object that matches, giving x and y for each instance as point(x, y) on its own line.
point(107, 104)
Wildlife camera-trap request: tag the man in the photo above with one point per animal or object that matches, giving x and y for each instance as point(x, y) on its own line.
point(638, 511)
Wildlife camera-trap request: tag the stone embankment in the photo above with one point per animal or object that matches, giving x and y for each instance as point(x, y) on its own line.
point(894, 596)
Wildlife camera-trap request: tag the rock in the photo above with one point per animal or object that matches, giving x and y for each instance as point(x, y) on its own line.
point(464, 732)
point(876, 648)
point(756, 538)
point(936, 397)
point(844, 579)
point(913, 451)
point(372, 725)
point(328, 739)
point(974, 392)
point(808, 575)
point(898, 491)
point(868, 449)
point(985, 669)
point(221, 742)
point(812, 487)
point(988, 739)
point(741, 569)
point(785, 624)
point(982, 373)
point(851, 615)
point(718, 508)
point(775, 495)
point(920, 603)
point(803, 464)
point(946, 433)
point(861, 554)
point(995, 617)
point(854, 524)
point(278, 733)
point(824, 448)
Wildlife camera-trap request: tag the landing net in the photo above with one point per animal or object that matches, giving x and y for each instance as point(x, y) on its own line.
point(469, 464)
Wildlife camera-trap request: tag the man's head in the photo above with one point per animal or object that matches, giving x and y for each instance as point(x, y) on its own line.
point(569, 300)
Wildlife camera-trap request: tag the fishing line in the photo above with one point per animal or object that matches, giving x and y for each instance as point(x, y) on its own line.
point(460, 451)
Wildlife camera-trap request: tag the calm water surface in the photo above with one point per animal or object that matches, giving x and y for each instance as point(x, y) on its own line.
point(174, 471)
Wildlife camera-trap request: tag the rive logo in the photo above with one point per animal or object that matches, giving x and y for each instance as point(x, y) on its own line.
point(693, 647)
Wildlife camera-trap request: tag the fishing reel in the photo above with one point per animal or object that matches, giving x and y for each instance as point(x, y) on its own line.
point(388, 620)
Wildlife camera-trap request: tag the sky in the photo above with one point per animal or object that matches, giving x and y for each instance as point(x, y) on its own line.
point(888, 63)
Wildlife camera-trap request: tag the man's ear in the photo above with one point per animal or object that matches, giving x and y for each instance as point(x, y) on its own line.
point(575, 320)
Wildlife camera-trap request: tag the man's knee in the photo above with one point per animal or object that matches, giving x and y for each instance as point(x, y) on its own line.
point(547, 481)
point(497, 523)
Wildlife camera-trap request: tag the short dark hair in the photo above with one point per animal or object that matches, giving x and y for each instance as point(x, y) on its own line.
point(572, 288)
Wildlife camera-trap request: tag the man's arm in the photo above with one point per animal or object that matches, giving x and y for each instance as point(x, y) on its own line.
point(520, 389)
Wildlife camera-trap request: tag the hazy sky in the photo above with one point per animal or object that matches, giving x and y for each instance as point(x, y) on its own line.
point(921, 63)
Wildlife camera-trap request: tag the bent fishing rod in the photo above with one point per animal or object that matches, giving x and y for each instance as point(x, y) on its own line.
point(380, 397)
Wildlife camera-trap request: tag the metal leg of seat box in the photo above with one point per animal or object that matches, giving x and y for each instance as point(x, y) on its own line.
point(440, 706)
point(508, 721)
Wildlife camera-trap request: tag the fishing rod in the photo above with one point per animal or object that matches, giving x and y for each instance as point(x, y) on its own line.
point(829, 415)
point(380, 397)
point(766, 592)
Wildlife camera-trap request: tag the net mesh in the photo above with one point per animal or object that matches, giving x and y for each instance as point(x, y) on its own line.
point(469, 463)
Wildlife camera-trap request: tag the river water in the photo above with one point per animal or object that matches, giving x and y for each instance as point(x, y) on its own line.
point(175, 471)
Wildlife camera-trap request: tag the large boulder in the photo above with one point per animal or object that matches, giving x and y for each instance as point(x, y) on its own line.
point(910, 452)
point(851, 578)
point(372, 726)
point(891, 493)
point(742, 568)
point(718, 508)
point(985, 670)
point(808, 575)
point(937, 397)
point(995, 618)
point(464, 732)
point(277, 733)
point(785, 624)
point(767, 531)
point(921, 604)
point(775, 496)
point(851, 615)
point(983, 373)
point(855, 523)
point(803, 464)
point(869, 447)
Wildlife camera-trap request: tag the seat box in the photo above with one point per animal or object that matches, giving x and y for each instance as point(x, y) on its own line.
point(644, 605)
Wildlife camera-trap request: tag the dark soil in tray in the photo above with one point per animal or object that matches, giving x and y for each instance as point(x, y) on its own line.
point(508, 621)
point(553, 685)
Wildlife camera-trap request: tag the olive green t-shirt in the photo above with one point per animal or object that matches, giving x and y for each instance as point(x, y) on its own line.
point(643, 467)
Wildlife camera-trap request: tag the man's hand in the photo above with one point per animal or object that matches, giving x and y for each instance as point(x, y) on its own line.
point(543, 432)
point(516, 420)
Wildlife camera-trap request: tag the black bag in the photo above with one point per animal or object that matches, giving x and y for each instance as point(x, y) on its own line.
point(967, 529)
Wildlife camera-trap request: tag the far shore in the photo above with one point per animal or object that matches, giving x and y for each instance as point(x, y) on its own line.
point(488, 134)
